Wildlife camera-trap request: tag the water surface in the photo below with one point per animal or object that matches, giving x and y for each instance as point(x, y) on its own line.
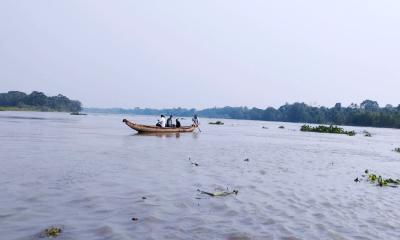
point(89, 174)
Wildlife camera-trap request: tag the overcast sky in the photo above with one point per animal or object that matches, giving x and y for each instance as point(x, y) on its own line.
point(202, 53)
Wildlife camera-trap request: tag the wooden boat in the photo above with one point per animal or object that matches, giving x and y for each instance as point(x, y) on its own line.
point(154, 129)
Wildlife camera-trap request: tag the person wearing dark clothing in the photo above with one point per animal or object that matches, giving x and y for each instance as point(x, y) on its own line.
point(169, 122)
point(178, 123)
point(195, 120)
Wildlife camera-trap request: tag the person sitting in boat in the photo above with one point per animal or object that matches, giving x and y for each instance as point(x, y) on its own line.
point(161, 121)
point(169, 122)
point(195, 120)
point(178, 123)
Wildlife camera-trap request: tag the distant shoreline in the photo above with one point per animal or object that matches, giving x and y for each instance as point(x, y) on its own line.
point(37, 101)
point(367, 114)
point(10, 109)
point(32, 109)
point(26, 109)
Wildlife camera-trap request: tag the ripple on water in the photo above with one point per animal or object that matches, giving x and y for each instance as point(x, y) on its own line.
point(91, 175)
point(238, 236)
point(104, 231)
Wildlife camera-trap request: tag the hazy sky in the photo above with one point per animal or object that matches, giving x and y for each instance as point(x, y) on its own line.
point(202, 53)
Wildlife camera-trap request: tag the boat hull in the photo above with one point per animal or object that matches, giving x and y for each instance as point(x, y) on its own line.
point(154, 129)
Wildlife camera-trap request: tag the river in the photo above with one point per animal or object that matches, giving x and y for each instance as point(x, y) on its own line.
point(91, 175)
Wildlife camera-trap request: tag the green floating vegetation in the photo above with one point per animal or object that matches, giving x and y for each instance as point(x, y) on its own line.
point(216, 123)
point(326, 129)
point(367, 134)
point(397, 149)
point(379, 180)
point(52, 232)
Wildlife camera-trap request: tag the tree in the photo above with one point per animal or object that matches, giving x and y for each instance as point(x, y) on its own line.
point(369, 105)
point(39, 101)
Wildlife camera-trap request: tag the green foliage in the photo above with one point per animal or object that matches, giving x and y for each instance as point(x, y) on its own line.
point(380, 181)
point(52, 232)
point(325, 129)
point(367, 114)
point(369, 105)
point(37, 101)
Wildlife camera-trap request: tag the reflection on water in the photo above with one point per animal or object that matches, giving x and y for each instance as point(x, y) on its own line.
point(92, 175)
point(22, 117)
point(160, 135)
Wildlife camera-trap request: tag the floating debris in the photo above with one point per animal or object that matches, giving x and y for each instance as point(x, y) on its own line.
point(218, 194)
point(78, 113)
point(144, 198)
point(325, 129)
point(263, 127)
point(135, 219)
point(281, 127)
point(378, 180)
point(216, 123)
point(193, 163)
point(367, 134)
point(397, 150)
point(52, 232)
point(247, 160)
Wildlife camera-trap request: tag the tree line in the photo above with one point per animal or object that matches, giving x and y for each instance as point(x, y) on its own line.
point(38, 101)
point(368, 113)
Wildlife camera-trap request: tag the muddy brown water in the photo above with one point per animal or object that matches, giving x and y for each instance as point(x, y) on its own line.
point(91, 175)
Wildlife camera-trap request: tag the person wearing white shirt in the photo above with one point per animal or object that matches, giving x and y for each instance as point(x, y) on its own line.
point(161, 122)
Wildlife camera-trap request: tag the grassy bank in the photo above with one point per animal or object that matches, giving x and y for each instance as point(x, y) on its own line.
point(31, 109)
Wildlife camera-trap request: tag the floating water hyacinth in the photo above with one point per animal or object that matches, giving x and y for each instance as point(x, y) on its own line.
point(52, 232)
point(379, 180)
point(326, 129)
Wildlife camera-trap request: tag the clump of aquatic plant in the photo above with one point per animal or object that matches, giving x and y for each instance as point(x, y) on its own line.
point(217, 123)
point(397, 149)
point(379, 180)
point(326, 129)
point(193, 163)
point(367, 134)
point(52, 232)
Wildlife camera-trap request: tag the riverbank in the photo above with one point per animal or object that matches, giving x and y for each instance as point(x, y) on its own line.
point(27, 109)
point(24, 109)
